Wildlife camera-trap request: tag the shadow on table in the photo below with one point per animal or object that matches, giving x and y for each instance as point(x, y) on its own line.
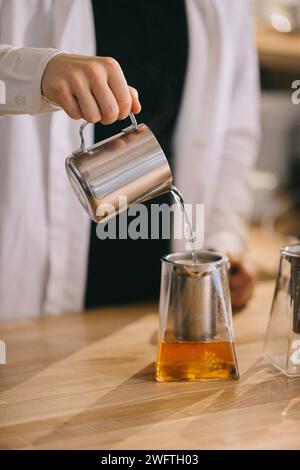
point(231, 406)
point(241, 417)
point(38, 344)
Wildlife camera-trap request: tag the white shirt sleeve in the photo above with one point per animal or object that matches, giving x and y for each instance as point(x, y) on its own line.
point(228, 224)
point(21, 72)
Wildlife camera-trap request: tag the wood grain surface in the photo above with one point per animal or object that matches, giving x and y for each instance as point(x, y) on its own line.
point(87, 381)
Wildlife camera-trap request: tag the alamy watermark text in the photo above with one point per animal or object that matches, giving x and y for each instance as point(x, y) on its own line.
point(296, 94)
point(2, 352)
point(152, 222)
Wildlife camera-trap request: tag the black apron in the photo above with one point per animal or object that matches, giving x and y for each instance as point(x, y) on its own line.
point(149, 39)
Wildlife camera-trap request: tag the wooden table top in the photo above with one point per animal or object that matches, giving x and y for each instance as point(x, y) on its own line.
point(87, 381)
point(279, 51)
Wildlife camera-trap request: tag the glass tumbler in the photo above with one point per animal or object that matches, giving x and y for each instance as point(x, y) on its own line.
point(282, 344)
point(195, 330)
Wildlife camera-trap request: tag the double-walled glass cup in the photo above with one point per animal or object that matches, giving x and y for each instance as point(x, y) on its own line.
point(195, 331)
point(282, 345)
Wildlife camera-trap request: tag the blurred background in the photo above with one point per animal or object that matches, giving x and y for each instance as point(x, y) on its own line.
point(276, 180)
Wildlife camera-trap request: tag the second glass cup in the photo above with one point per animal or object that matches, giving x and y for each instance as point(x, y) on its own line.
point(195, 331)
point(282, 344)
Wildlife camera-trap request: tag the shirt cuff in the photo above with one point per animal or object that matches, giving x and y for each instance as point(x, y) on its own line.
point(22, 73)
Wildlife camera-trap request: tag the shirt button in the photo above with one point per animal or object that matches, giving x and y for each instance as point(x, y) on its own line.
point(20, 100)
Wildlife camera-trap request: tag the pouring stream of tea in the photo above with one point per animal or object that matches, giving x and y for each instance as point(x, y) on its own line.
point(180, 201)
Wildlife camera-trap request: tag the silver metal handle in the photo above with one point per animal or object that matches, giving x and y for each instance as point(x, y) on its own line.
point(133, 126)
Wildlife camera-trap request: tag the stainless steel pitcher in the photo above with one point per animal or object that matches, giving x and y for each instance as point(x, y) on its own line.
point(130, 164)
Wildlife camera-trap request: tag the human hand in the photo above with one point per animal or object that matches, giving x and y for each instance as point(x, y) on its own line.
point(92, 88)
point(241, 282)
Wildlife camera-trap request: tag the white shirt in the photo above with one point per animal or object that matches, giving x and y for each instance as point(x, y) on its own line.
point(44, 232)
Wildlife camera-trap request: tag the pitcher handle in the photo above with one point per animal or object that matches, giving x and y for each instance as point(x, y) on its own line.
point(133, 126)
